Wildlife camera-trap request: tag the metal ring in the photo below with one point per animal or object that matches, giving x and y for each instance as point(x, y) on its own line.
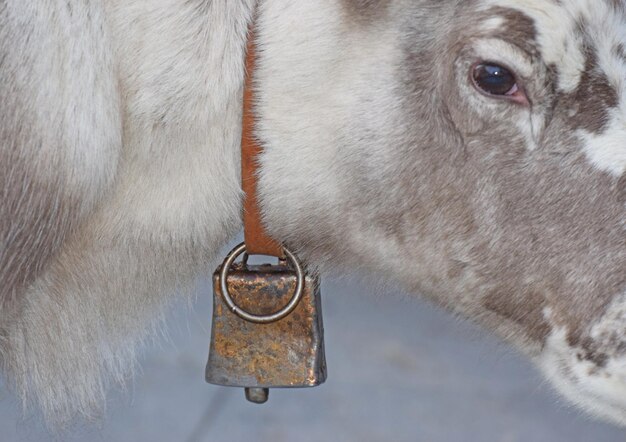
point(260, 319)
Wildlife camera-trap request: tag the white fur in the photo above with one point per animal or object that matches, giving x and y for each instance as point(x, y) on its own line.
point(599, 390)
point(336, 72)
point(81, 136)
point(492, 24)
point(607, 151)
point(176, 186)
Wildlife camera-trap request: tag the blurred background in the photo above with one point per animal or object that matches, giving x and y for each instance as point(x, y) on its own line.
point(399, 370)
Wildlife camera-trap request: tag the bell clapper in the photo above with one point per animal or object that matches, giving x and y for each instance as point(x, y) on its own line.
point(257, 395)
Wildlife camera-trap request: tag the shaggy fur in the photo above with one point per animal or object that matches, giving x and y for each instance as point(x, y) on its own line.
point(120, 171)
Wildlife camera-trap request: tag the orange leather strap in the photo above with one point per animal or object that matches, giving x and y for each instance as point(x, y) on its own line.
point(256, 238)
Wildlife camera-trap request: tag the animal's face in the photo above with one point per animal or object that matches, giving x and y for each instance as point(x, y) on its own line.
point(474, 151)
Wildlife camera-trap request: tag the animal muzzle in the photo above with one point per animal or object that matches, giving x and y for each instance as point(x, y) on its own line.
point(591, 371)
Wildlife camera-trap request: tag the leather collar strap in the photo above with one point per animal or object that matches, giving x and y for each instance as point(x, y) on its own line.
point(258, 242)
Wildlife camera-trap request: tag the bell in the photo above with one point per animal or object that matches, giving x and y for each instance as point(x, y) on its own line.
point(267, 327)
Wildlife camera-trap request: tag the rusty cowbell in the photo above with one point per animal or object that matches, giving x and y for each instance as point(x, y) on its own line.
point(267, 327)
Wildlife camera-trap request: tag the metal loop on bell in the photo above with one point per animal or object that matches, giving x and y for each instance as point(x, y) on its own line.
point(260, 319)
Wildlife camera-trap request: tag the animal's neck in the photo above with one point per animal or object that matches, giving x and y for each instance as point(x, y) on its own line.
point(174, 200)
point(182, 109)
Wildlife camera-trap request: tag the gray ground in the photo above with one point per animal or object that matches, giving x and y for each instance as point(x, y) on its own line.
point(399, 370)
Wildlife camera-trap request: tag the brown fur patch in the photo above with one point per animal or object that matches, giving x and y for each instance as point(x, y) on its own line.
point(518, 29)
point(593, 99)
point(524, 307)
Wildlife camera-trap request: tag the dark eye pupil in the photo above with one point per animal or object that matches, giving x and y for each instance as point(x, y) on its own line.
point(494, 79)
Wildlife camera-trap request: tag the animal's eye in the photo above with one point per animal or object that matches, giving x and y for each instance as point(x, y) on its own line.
point(494, 80)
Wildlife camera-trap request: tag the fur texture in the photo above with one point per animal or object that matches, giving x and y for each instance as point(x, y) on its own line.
point(120, 171)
